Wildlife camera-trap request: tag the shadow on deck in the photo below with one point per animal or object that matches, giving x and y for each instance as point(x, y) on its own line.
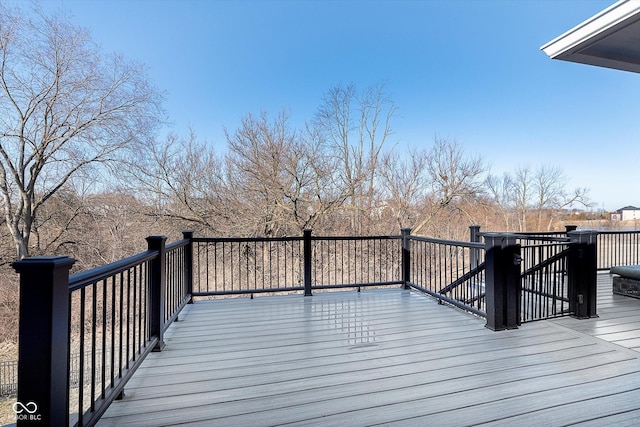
point(387, 356)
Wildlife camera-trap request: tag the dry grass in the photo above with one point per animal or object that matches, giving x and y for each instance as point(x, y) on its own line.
point(8, 351)
point(6, 410)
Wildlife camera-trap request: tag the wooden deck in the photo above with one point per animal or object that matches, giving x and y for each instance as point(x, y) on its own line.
point(385, 357)
point(618, 318)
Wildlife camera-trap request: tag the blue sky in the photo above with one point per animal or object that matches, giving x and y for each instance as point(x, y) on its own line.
point(469, 70)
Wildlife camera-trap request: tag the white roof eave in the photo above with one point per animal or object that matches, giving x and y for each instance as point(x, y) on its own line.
point(571, 45)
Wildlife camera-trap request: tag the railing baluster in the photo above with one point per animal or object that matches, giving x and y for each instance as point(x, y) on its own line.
point(112, 318)
point(128, 316)
point(137, 310)
point(81, 356)
point(103, 350)
point(121, 321)
point(94, 322)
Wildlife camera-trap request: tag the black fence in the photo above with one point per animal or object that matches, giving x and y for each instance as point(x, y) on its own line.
point(544, 278)
point(348, 262)
point(618, 248)
point(232, 266)
point(90, 331)
point(9, 373)
point(8, 378)
point(113, 316)
point(450, 271)
point(544, 275)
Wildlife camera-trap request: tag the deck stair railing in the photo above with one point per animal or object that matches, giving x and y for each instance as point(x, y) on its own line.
point(114, 316)
point(451, 271)
point(541, 275)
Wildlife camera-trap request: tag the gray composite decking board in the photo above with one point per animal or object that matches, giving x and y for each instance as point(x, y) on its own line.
point(332, 339)
point(324, 356)
point(331, 375)
point(409, 353)
point(382, 356)
point(264, 332)
point(349, 401)
point(380, 379)
point(435, 404)
point(474, 406)
point(411, 380)
point(629, 418)
point(618, 321)
point(610, 333)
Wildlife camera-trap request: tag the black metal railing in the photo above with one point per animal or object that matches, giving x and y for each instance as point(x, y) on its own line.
point(547, 274)
point(113, 316)
point(614, 247)
point(8, 378)
point(348, 262)
point(543, 277)
point(9, 373)
point(450, 271)
point(95, 328)
point(109, 329)
point(232, 266)
point(618, 248)
point(178, 278)
point(227, 266)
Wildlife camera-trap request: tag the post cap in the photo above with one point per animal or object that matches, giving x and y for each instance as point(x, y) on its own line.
point(51, 261)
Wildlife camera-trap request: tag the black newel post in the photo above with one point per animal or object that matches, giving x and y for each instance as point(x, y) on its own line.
point(502, 286)
point(157, 281)
point(43, 369)
point(406, 257)
point(569, 228)
point(474, 233)
point(307, 261)
point(582, 270)
point(188, 264)
point(474, 237)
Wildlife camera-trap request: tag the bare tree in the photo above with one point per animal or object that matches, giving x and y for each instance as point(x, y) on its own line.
point(284, 178)
point(500, 191)
point(535, 196)
point(357, 125)
point(522, 194)
point(405, 184)
point(64, 107)
point(93, 228)
point(551, 196)
point(184, 180)
point(453, 177)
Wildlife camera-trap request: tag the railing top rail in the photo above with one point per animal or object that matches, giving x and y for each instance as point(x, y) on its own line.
point(562, 245)
point(176, 245)
point(619, 232)
point(84, 278)
point(541, 233)
point(448, 242)
point(543, 238)
point(288, 238)
point(246, 239)
point(394, 237)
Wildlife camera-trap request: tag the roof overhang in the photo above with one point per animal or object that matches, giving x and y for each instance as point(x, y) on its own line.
point(609, 39)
